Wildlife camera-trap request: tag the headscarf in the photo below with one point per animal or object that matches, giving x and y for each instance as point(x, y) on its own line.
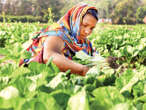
point(68, 28)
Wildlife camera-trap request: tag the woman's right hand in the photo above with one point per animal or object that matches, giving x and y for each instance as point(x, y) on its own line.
point(85, 70)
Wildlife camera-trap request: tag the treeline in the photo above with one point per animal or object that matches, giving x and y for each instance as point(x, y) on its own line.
point(120, 11)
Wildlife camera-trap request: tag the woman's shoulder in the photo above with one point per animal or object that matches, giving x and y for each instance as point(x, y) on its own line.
point(54, 41)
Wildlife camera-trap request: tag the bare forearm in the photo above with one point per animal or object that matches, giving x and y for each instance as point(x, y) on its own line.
point(65, 64)
point(53, 47)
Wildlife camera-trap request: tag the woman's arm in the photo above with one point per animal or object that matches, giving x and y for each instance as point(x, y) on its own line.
point(53, 48)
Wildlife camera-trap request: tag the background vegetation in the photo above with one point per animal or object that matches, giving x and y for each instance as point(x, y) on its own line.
point(44, 87)
point(120, 11)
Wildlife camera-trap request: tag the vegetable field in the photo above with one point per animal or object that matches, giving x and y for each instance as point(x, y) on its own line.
point(44, 87)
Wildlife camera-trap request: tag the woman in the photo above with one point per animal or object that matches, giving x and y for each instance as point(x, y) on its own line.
point(63, 39)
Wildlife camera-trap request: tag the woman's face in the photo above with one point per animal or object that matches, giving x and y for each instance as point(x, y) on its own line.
point(87, 25)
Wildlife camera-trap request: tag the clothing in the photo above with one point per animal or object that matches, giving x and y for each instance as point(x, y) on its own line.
point(67, 28)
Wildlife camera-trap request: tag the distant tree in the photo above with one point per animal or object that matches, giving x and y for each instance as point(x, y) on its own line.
point(16, 7)
point(57, 6)
point(41, 7)
point(124, 11)
point(144, 20)
point(140, 14)
point(25, 8)
point(1, 5)
point(121, 11)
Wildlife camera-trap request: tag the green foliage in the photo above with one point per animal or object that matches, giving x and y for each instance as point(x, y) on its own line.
point(127, 42)
point(42, 102)
point(78, 101)
point(108, 96)
point(26, 18)
point(130, 81)
point(43, 86)
point(59, 95)
point(140, 14)
point(123, 12)
point(23, 85)
point(139, 88)
point(124, 106)
point(124, 79)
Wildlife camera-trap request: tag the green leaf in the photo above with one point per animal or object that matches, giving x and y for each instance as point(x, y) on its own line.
point(11, 104)
point(39, 106)
point(82, 55)
point(124, 79)
point(138, 75)
point(144, 106)
point(138, 88)
point(37, 68)
point(61, 98)
point(29, 105)
point(4, 51)
point(123, 106)
point(78, 101)
point(38, 80)
point(4, 81)
point(9, 92)
point(48, 101)
point(23, 85)
point(105, 98)
point(7, 69)
point(56, 81)
point(141, 99)
point(49, 61)
point(94, 71)
point(19, 71)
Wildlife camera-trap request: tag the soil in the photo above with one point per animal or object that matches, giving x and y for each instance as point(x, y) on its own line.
point(112, 62)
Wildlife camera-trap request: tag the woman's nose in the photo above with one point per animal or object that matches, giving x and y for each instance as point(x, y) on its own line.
point(87, 31)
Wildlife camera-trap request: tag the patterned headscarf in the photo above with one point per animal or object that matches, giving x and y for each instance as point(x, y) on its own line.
point(68, 28)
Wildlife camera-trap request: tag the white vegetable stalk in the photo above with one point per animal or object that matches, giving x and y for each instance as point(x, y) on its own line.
point(34, 79)
point(97, 62)
point(100, 65)
point(9, 92)
point(56, 81)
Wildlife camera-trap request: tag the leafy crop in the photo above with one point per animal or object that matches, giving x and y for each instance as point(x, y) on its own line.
point(44, 87)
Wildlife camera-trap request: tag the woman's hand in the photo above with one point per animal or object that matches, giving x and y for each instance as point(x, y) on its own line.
point(85, 70)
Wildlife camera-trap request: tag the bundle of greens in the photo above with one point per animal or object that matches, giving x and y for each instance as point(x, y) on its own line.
point(97, 63)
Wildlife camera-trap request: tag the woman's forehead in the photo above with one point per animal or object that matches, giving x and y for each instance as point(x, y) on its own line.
point(89, 19)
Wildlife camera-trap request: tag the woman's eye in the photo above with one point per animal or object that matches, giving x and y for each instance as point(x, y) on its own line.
point(92, 28)
point(85, 25)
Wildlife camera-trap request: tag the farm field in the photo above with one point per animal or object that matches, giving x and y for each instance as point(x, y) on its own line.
point(44, 87)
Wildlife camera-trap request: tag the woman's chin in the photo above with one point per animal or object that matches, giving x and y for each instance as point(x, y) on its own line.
point(83, 37)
